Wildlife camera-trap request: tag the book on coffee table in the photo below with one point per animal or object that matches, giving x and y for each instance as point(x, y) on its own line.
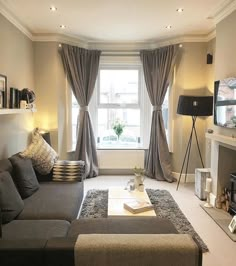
point(137, 206)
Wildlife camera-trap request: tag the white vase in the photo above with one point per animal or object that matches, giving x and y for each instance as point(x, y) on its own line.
point(138, 180)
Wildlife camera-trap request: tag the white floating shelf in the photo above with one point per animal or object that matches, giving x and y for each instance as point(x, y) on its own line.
point(16, 111)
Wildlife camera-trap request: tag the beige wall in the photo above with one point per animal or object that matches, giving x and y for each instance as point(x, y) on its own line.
point(190, 79)
point(226, 56)
point(17, 63)
point(50, 83)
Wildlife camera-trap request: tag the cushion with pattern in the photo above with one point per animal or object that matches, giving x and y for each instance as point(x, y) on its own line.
point(43, 156)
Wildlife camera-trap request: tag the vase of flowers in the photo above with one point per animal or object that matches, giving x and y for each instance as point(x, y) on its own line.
point(118, 128)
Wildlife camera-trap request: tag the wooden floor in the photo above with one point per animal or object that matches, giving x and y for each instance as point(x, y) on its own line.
point(222, 250)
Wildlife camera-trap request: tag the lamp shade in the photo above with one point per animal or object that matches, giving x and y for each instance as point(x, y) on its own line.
point(195, 105)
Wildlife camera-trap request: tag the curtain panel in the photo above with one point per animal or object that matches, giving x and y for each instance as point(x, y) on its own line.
point(158, 66)
point(81, 67)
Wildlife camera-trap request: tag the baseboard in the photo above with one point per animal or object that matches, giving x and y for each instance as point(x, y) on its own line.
point(190, 178)
point(116, 172)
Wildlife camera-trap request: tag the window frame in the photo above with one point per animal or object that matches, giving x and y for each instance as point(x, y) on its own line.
point(118, 105)
point(96, 100)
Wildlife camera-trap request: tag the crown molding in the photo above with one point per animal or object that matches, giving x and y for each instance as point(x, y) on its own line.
point(224, 10)
point(60, 38)
point(114, 46)
point(121, 46)
point(7, 14)
point(211, 35)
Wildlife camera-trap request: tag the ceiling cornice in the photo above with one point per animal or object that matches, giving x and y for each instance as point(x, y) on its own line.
point(227, 7)
point(224, 10)
point(7, 14)
point(61, 38)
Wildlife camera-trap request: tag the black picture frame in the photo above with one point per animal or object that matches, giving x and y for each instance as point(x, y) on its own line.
point(3, 91)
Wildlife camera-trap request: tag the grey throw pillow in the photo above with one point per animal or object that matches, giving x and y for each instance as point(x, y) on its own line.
point(24, 176)
point(11, 203)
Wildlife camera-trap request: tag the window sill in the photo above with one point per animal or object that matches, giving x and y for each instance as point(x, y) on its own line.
point(120, 148)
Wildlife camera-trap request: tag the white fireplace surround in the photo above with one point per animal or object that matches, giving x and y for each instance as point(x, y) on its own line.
point(222, 151)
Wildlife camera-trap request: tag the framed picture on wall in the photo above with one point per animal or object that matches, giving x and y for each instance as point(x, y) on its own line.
point(3, 91)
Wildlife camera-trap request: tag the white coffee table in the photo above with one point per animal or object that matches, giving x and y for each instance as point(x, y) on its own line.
point(116, 198)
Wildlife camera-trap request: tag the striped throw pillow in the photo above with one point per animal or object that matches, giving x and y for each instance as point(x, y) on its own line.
point(68, 170)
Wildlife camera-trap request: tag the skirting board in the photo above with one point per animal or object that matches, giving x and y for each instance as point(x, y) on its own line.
point(190, 177)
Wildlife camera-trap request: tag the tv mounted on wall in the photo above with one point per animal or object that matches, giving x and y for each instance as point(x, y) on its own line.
point(225, 103)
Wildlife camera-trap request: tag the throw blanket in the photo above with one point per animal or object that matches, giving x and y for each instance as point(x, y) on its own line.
point(136, 250)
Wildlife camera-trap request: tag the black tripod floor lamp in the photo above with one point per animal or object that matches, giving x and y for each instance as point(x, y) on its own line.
point(193, 106)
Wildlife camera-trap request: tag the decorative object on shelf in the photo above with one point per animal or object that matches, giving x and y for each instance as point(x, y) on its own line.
point(232, 225)
point(224, 199)
point(208, 191)
point(28, 95)
point(218, 202)
point(3, 91)
point(118, 128)
point(23, 104)
point(193, 106)
point(210, 131)
point(139, 177)
point(15, 98)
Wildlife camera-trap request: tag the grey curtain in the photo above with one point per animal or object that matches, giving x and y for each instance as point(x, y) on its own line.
point(158, 68)
point(81, 68)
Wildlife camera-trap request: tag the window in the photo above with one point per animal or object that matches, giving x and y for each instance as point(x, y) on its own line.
point(118, 102)
point(120, 96)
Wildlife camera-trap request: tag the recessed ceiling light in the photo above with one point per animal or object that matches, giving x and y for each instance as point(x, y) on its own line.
point(53, 8)
point(62, 26)
point(180, 10)
point(168, 27)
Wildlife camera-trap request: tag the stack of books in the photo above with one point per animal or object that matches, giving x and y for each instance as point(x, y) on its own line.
point(67, 171)
point(138, 206)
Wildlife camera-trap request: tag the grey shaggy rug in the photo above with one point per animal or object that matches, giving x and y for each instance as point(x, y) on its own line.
point(96, 201)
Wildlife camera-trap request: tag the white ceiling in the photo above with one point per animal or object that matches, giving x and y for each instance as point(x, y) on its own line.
point(116, 20)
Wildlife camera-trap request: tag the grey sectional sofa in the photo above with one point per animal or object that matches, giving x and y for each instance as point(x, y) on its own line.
point(46, 233)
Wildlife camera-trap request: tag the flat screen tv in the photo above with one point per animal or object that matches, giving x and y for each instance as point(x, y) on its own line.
point(225, 103)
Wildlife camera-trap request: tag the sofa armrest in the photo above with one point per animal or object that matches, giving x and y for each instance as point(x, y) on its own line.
point(138, 249)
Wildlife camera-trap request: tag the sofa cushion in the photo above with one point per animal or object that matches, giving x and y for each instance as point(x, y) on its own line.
point(54, 200)
point(127, 225)
point(42, 154)
point(44, 178)
point(24, 176)
point(35, 229)
point(5, 165)
point(11, 203)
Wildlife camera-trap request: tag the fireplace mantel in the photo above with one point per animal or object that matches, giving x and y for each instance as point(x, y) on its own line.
point(222, 160)
point(231, 141)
